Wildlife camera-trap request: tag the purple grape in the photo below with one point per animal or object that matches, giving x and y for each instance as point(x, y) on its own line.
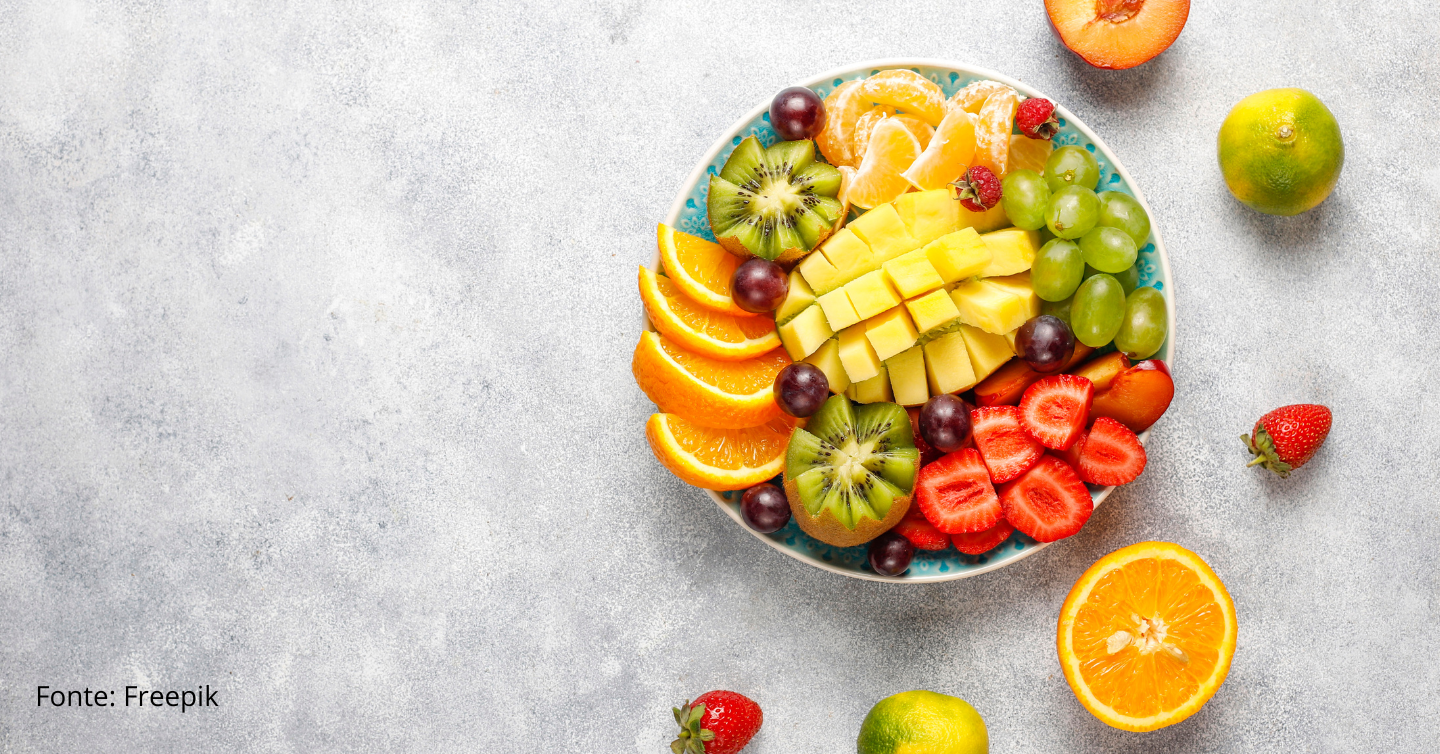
point(797, 113)
point(801, 389)
point(945, 423)
point(890, 554)
point(1046, 343)
point(759, 286)
point(765, 508)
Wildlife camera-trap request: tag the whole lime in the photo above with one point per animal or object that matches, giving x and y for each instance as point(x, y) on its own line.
point(1280, 151)
point(922, 722)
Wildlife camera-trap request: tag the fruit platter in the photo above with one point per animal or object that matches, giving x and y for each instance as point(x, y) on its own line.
point(908, 321)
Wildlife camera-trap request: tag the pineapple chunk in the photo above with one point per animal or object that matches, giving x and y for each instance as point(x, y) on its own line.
point(987, 352)
point(884, 231)
point(932, 310)
point(820, 274)
point(989, 307)
point(959, 255)
point(838, 309)
point(912, 274)
point(891, 332)
point(948, 364)
point(871, 294)
point(1010, 338)
point(874, 390)
point(827, 359)
point(805, 333)
point(907, 377)
point(984, 222)
point(1012, 250)
point(929, 214)
point(849, 254)
point(797, 300)
point(1019, 286)
point(857, 356)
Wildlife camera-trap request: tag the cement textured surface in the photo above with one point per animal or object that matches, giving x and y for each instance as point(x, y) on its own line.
point(315, 331)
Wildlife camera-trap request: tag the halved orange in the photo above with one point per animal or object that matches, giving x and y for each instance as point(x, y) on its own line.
point(1029, 154)
point(948, 154)
point(705, 331)
point(907, 91)
point(992, 130)
point(719, 459)
point(700, 268)
point(1146, 636)
point(891, 150)
point(973, 95)
point(724, 394)
point(843, 107)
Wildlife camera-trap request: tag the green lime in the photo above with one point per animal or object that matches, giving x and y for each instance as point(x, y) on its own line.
point(922, 722)
point(1280, 151)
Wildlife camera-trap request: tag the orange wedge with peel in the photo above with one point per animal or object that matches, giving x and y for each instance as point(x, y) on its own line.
point(704, 331)
point(1146, 636)
point(843, 108)
point(947, 156)
point(701, 269)
point(909, 92)
point(892, 149)
point(723, 394)
point(1029, 154)
point(719, 459)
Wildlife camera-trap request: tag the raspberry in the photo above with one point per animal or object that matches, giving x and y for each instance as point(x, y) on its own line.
point(978, 190)
point(1036, 118)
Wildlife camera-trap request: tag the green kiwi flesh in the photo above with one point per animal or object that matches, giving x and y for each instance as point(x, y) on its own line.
point(776, 203)
point(850, 472)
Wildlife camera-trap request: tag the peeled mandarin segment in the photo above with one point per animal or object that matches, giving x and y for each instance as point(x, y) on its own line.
point(718, 459)
point(1029, 154)
point(992, 131)
point(865, 125)
point(843, 107)
point(948, 154)
point(702, 269)
point(705, 331)
point(892, 149)
point(908, 91)
point(973, 95)
point(921, 130)
point(724, 394)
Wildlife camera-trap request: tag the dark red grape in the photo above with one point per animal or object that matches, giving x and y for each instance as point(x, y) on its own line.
point(890, 554)
point(945, 423)
point(801, 389)
point(1046, 343)
point(797, 113)
point(759, 286)
point(765, 508)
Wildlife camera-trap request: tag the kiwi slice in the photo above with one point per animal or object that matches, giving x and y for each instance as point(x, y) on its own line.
point(776, 203)
point(850, 472)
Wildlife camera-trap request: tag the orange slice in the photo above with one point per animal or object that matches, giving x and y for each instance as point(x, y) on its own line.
point(865, 124)
point(908, 91)
point(948, 154)
point(892, 149)
point(992, 131)
point(1029, 154)
point(725, 394)
point(843, 107)
point(700, 268)
point(719, 459)
point(704, 331)
point(973, 95)
point(1146, 636)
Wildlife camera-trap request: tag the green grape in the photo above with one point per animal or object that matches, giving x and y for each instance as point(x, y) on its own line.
point(1071, 166)
point(1024, 195)
point(1121, 211)
point(1108, 249)
point(1143, 330)
point(1055, 273)
point(1059, 309)
point(1097, 311)
point(1072, 212)
point(1129, 279)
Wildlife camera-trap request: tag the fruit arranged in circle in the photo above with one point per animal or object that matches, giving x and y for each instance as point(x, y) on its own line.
point(1071, 166)
point(1111, 454)
point(718, 459)
point(1098, 310)
point(850, 472)
point(1045, 343)
point(707, 332)
point(1143, 329)
point(945, 156)
point(944, 423)
point(1286, 438)
point(890, 554)
point(922, 722)
point(956, 495)
point(1117, 34)
point(797, 113)
point(776, 203)
point(702, 269)
point(725, 394)
point(1120, 210)
point(978, 190)
point(759, 285)
point(1048, 502)
point(1108, 249)
point(1146, 636)
point(1137, 397)
point(992, 131)
point(1007, 449)
point(1058, 270)
point(908, 91)
point(1280, 151)
point(765, 508)
point(1025, 196)
point(892, 149)
point(1055, 409)
point(1035, 118)
point(1072, 212)
point(982, 542)
point(801, 389)
point(843, 109)
point(717, 722)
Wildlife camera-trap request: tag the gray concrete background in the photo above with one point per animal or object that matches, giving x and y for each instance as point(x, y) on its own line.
point(315, 331)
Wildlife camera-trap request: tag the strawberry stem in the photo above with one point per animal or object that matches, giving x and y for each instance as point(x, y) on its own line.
point(1258, 460)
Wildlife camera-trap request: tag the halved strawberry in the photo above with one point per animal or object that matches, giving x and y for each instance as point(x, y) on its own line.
point(1049, 502)
point(1054, 410)
point(1071, 455)
point(1007, 448)
point(921, 532)
point(983, 541)
point(955, 493)
point(1112, 454)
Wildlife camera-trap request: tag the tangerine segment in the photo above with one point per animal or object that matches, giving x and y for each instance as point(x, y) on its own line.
point(724, 394)
point(948, 154)
point(992, 131)
point(908, 91)
point(922, 131)
point(704, 331)
point(892, 149)
point(1146, 636)
point(843, 107)
point(973, 95)
point(719, 459)
point(1029, 154)
point(865, 124)
point(700, 268)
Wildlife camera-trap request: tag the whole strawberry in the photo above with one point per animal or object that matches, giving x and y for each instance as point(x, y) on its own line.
point(1284, 439)
point(1036, 118)
point(977, 190)
point(717, 722)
